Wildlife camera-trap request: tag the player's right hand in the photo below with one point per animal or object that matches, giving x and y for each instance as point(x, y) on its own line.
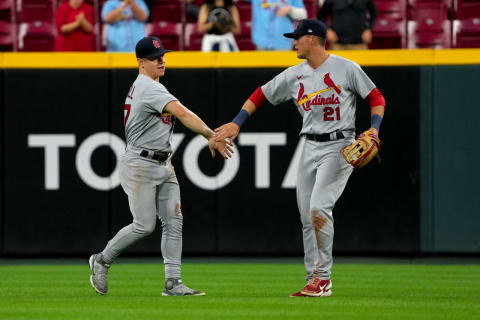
point(223, 147)
point(229, 130)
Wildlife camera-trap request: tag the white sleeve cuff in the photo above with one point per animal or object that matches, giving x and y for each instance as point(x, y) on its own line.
point(298, 13)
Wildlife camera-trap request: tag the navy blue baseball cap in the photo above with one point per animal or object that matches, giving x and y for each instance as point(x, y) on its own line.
point(308, 27)
point(150, 48)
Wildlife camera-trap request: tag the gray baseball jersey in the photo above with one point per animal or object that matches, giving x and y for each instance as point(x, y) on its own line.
point(325, 97)
point(151, 186)
point(147, 126)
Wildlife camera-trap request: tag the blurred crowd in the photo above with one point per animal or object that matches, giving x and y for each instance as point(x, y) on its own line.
point(233, 25)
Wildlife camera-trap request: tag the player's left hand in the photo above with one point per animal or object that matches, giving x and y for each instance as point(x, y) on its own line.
point(362, 150)
point(229, 130)
point(367, 36)
point(374, 131)
point(283, 11)
point(223, 147)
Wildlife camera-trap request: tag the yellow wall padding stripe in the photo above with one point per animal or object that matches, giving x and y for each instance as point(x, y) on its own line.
point(53, 60)
point(244, 59)
point(457, 56)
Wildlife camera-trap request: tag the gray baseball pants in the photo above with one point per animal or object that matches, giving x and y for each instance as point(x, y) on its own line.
point(322, 176)
point(152, 190)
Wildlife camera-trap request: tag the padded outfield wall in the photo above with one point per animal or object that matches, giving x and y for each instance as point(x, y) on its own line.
point(62, 133)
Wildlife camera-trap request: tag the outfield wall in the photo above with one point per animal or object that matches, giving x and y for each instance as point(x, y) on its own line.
point(63, 131)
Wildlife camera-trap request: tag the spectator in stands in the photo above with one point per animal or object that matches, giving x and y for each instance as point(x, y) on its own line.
point(192, 9)
point(352, 23)
point(271, 19)
point(74, 20)
point(219, 20)
point(126, 23)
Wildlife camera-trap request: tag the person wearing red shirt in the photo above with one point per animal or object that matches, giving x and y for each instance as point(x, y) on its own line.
point(74, 21)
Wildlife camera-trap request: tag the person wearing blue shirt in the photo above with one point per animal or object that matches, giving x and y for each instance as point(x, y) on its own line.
point(271, 19)
point(126, 23)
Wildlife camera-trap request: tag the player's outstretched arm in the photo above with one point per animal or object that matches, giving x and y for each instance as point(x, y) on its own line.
point(194, 123)
point(230, 130)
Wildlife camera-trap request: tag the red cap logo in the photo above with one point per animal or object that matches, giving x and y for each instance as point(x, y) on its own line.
point(156, 44)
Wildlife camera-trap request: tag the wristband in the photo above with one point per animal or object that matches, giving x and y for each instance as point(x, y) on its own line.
point(241, 117)
point(375, 121)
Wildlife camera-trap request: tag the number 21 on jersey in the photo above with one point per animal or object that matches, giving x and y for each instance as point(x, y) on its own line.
point(328, 114)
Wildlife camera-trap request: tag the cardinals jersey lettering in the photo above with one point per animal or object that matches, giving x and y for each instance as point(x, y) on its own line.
point(325, 97)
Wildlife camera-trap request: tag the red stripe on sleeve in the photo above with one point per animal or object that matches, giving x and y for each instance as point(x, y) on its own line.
point(258, 98)
point(375, 98)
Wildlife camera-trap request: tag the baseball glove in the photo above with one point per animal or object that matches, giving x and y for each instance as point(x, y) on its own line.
point(222, 19)
point(362, 150)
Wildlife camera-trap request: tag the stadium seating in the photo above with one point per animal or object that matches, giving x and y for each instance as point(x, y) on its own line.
point(393, 9)
point(36, 10)
point(466, 9)
point(244, 39)
point(429, 33)
point(36, 36)
point(244, 10)
point(7, 10)
point(97, 28)
point(170, 33)
point(193, 38)
point(311, 7)
point(428, 25)
point(167, 10)
point(103, 37)
point(400, 24)
point(420, 10)
point(466, 33)
point(390, 30)
point(389, 33)
point(8, 36)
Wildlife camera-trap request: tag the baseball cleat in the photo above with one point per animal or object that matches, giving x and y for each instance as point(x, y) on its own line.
point(99, 273)
point(317, 288)
point(297, 294)
point(175, 287)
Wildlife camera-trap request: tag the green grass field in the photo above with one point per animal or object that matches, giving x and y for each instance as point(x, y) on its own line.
point(242, 291)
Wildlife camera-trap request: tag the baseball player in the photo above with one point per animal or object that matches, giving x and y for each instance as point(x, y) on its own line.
point(146, 173)
point(323, 89)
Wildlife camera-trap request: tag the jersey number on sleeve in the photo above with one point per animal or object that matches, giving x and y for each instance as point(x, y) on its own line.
point(328, 113)
point(126, 112)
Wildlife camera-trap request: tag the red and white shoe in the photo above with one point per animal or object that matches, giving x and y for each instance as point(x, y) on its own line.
point(297, 294)
point(317, 288)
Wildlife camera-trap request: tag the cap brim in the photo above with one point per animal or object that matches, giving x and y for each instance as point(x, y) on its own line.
point(158, 54)
point(292, 35)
